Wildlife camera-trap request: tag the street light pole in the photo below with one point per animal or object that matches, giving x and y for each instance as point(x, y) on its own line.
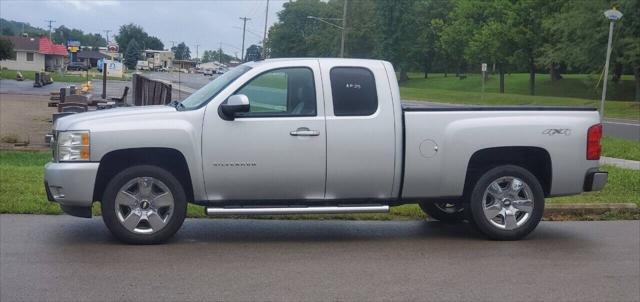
point(344, 28)
point(613, 15)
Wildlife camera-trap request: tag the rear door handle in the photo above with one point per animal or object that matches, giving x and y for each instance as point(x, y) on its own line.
point(304, 131)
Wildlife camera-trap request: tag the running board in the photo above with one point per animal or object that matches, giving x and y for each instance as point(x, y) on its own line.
point(213, 211)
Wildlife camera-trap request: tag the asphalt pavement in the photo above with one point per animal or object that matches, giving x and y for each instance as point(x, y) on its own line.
point(62, 258)
point(622, 129)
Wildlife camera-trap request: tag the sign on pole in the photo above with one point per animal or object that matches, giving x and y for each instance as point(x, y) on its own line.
point(113, 47)
point(114, 68)
point(484, 67)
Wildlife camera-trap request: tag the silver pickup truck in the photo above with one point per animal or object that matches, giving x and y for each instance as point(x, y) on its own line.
point(309, 135)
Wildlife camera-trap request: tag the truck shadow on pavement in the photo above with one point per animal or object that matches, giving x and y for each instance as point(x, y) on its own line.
point(256, 231)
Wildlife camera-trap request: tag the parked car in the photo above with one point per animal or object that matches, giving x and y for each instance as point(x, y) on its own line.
point(78, 66)
point(292, 136)
point(143, 65)
point(208, 72)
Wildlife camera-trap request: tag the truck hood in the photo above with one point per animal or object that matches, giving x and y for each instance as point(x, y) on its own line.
point(130, 113)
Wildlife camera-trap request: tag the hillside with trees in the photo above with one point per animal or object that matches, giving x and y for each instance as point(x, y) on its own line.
point(59, 35)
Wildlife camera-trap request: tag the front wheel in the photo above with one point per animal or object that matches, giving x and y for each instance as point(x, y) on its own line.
point(144, 205)
point(506, 202)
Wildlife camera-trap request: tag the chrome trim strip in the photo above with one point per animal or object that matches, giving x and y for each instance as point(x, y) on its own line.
point(214, 211)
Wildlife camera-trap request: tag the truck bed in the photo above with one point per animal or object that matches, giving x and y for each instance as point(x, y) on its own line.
point(440, 140)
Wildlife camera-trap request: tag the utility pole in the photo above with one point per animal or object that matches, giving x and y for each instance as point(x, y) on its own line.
point(264, 37)
point(220, 54)
point(107, 31)
point(197, 53)
point(344, 28)
point(244, 29)
point(173, 44)
point(50, 22)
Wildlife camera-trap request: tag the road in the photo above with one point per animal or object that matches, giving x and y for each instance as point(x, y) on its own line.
point(194, 81)
point(61, 258)
point(622, 129)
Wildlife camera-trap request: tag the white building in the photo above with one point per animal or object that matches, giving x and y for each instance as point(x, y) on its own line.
point(159, 58)
point(34, 54)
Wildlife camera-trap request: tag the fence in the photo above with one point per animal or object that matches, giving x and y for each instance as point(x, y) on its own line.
point(150, 92)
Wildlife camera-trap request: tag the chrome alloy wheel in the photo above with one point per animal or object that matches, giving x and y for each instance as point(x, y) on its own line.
point(507, 203)
point(144, 205)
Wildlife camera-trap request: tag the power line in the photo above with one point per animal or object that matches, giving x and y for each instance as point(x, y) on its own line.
point(244, 28)
point(50, 22)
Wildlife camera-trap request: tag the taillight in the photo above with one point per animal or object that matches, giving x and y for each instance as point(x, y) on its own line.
point(593, 142)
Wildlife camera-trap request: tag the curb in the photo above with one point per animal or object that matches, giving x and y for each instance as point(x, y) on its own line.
point(589, 208)
point(621, 163)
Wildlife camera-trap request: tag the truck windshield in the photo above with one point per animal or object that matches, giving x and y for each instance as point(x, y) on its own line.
point(206, 93)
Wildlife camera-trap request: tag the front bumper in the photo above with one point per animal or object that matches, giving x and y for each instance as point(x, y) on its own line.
point(595, 181)
point(70, 184)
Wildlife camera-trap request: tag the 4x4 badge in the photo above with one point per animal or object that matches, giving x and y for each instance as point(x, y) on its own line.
point(551, 132)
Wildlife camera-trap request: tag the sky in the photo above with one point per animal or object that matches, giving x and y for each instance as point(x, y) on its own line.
point(204, 22)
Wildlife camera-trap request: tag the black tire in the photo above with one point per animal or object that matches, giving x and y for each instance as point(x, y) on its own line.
point(174, 222)
point(442, 211)
point(476, 203)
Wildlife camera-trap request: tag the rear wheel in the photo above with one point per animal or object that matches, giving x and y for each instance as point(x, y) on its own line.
point(144, 205)
point(506, 203)
point(443, 211)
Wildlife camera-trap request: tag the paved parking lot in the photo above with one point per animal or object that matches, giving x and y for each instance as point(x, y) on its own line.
point(61, 258)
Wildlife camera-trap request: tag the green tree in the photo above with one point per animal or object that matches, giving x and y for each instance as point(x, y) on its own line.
point(396, 24)
point(295, 35)
point(208, 56)
point(431, 15)
point(629, 39)
point(132, 54)
point(181, 51)
point(529, 34)
point(6, 50)
point(154, 43)
point(455, 35)
point(135, 32)
point(492, 41)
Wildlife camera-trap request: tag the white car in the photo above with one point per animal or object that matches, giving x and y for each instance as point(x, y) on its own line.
point(287, 136)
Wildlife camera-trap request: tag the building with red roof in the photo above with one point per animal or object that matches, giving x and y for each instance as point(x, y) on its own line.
point(34, 54)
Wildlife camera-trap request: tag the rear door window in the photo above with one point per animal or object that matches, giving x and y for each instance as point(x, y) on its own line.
point(354, 91)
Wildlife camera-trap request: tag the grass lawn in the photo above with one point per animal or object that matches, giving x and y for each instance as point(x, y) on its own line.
point(71, 77)
point(22, 191)
point(581, 86)
point(621, 148)
point(566, 92)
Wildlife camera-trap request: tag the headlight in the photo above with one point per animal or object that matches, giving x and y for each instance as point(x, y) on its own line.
point(73, 146)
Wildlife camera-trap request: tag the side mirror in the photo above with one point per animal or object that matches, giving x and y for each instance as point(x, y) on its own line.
point(236, 103)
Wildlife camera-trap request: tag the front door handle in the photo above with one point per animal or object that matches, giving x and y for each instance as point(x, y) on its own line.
point(304, 131)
